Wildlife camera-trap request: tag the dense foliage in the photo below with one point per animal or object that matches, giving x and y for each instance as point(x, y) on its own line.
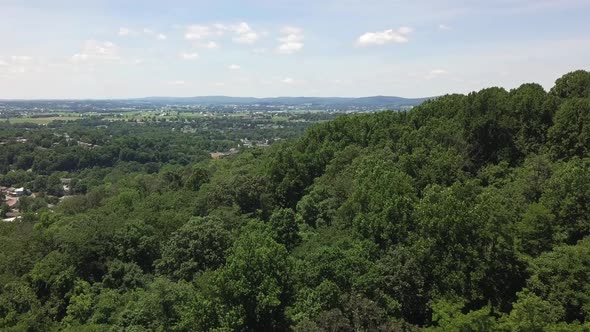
point(467, 213)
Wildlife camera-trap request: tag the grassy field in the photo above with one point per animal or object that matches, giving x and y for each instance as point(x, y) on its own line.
point(43, 121)
point(280, 118)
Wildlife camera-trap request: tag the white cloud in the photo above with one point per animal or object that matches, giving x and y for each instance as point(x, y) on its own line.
point(96, 50)
point(189, 56)
point(176, 83)
point(234, 67)
point(211, 45)
point(220, 27)
point(384, 37)
point(439, 72)
point(291, 41)
point(135, 61)
point(126, 32)
point(16, 70)
point(21, 59)
point(244, 34)
point(288, 80)
point(199, 32)
point(155, 34)
point(436, 73)
point(444, 27)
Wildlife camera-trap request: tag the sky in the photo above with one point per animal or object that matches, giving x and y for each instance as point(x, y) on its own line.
point(77, 49)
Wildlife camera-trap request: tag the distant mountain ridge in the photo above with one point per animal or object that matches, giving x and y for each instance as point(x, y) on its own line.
point(374, 101)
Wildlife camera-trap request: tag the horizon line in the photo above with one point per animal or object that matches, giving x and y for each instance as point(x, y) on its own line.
point(202, 96)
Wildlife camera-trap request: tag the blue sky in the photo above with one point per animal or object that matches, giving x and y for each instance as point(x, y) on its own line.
point(120, 49)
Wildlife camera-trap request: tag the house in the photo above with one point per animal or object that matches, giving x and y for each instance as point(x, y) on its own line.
point(11, 202)
point(12, 214)
point(85, 145)
point(65, 197)
point(216, 155)
point(9, 219)
point(66, 183)
point(20, 192)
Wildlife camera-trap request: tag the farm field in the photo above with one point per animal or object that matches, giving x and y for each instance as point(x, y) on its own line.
point(43, 121)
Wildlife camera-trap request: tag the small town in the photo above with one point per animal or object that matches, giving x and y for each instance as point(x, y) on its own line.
point(12, 198)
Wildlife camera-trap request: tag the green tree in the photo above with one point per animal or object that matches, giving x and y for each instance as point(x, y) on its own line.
point(538, 231)
point(19, 306)
point(381, 202)
point(533, 114)
point(449, 317)
point(198, 245)
point(567, 196)
point(284, 224)
point(561, 277)
point(490, 127)
point(531, 313)
point(254, 285)
point(575, 84)
point(157, 308)
point(570, 134)
point(123, 276)
point(81, 304)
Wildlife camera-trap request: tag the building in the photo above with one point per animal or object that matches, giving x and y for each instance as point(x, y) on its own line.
point(218, 155)
point(18, 192)
point(11, 202)
point(66, 184)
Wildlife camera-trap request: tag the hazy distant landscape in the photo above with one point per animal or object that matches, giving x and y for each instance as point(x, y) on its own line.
point(316, 103)
point(183, 109)
point(383, 102)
